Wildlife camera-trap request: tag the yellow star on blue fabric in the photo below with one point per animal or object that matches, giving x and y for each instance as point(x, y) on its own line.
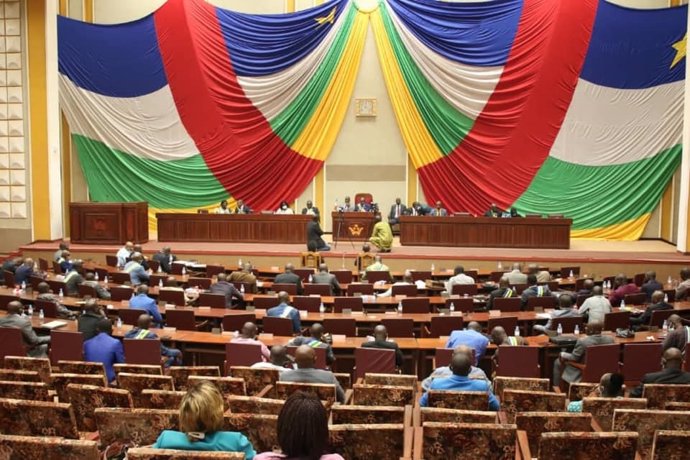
point(681, 48)
point(326, 19)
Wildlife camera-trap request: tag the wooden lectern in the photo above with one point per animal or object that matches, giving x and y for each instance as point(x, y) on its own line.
point(108, 223)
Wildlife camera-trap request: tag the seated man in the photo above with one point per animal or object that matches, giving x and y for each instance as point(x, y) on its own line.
point(242, 208)
point(103, 348)
point(407, 280)
point(572, 374)
point(460, 365)
point(493, 211)
point(325, 277)
point(419, 209)
point(381, 235)
point(228, 290)
point(472, 337)
point(671, 373)
point(381, 341)
point(543, 276)
point(248, 335)
point(165, 258)
point(305, 358)
point(565, 309)
point(190, 294)
point(439, 210)
point(650, 284)
point(88, 321)
point(515, 275)
point(595, 307)
point(37, 346)
point(223, 208)
point(65, 261)
point(137, 273)
point(142, 332)
point(315, 340)
point(504, 291)
point(73, 279)
point(284, 310)
point(310, 209)
point(279, 360)
point(678, 335)
point(684, 286)
point(245, 275)
point(621, 288)
point(534, 290)
point(363, 206)
point(445, 371)
point(657, 304)
point(377, 266)
point(24, 271)
point(397, 210)
point(143, 302)
point(101, 291)
point(10, 265)
point(61, 248)
point(44, 293)
point(500, 337)
point(289, 277)
point(124, 254)
point(458, 277)
point(347, 206)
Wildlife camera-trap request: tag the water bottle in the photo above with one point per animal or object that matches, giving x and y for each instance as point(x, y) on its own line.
point(61, 294)
point(41, 315)
point(322, 308)
point(452, 307)
point(622, 304)
point(160, 269)
point(571, 274)
point(239, 264)
point(577, 329)
point(559, 329)
point(242, 288)
point(105, 279)
point(516, 333)
point(119, 322)
point(23, 285)
point(311, 279)
point(184, 271)
point(433, 268)
point(664, 327)
point(30, 310)
point(400, 307)
point(95, 276)
point(665, 298)
point(160, 283)
point(500, 265)
point(669, 280)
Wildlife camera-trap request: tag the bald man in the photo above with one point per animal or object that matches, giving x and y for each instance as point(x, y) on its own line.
point(289, 277)
point(37, 345)
point(142, 331)
point(325, 277)
point(657, 304)
point(671, 373)
point(472, 337)
point(381, 341)
point(248, 335)
point(285, 310)
point(278, 360)
point(678, 334)
point(571, 374)
point(124, 253)
point(445, 371)
point(315, 340)
point(305, 358)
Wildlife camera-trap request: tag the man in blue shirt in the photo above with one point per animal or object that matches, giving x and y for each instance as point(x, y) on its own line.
point(142, 332)
point(461, 364)
point(137, 273)
point(143, 302)
point(284, 310)
point(105, 349)
point(24, 271)
point(472, 337)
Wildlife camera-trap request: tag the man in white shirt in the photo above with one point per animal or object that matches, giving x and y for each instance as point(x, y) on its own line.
point(278, 360)
point(515, 276)
point(407, 280)
point(458, 278)
point(124, 253)
point(595, 306)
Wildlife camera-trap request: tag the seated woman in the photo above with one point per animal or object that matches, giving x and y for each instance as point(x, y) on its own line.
point(302, 430)
point(223, 208)
point(610, 386)
point(284, 208)
point(201, 421)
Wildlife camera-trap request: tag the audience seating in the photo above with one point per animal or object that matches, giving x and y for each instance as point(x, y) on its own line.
point(658, 394)
point(670, 444)
point(382, 395)
point(120, 293)
point(68, 346)
point(320, 356)
point(130, 316)
point(543, 302)
point(536, 423)
point(86, 290)
point(206, 299)
point(161, 399)
point(360, 288)
point(374, 360)
point(565, 271)
point(379, 441)
point(444, 440)
point(602, 408)
point(318, 289)
point(30, 391)
point(351, 303)
point(260, 429)
point(255, 379)
point(609, 446)
point(399, 327)
point(136, 383)
point(502, 383)
point(235, 322)
point(508, 323)
point(142, 351)
point(59, 382)
point(324, 391)
point(343, 276)
point(149, 453)
point(639, 298)
point(85, 399)
point(640, 359)
point(341, 326)
point(138, 369)
point(409, 290)
point(464, 289)
point(135, 427)
point(461, 304)
point(81, 367)
point(415, 305)
point(659, 316)
point(646, 422)
point(421, 275)
point(49, 308)
point(442, 357)
point(37, 418)
point(617, 320)
point(398, 380)
point(438, 414)
point(304, 272)
point(515, 401)
point(518, 361)
point(290, 288)
point(226, 385)
point(181, 373)
point(183, 320)
point(47, 448)
point(201, 283)
point(507, 304)
point(345, 415)
point(307, 303)
point(581, 390)
point(22, 363)
point(254, 405)
point(466, 400)
point(11, 342)
point(378, 275)
point(444, 325)
point(344, 379)
point(19, 376)
point(673, 405)
point(172, 296)
point(568, 324)
point(277, 326)
point(599, 360)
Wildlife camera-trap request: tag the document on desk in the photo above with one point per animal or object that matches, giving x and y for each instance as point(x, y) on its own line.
point(53, 324)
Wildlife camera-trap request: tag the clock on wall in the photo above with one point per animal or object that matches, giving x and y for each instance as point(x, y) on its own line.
point(365, 107)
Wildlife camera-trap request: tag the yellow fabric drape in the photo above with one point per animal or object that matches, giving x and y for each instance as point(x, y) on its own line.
point(630, 230)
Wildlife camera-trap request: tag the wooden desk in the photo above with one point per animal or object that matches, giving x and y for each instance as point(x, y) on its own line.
point(521, 232)
point(108, 223)
point(233, 228)
point(352, 225)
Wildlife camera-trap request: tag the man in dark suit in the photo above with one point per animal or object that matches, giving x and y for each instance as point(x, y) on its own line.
point(164, 259)
point(24, 271)
point(672, 372)
point(678, 336)
point(242, 208)
point(314, 233)
point(289, 277)
point(418, 209)
point(650, 284)
point(397, 210)
point(572, 374)
point(310, 209)
point(657, 304)
point(381, 341)
point(324, 277)
point(37, 345)
point(227, 289)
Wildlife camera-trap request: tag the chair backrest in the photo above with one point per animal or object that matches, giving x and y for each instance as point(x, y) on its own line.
point(343, 276)
point(141, 369)
point(399, 327)
point(86, 290)
point(37, 418)
point(161, 399)
point(360, 288)
point(670, 444)
point(226, 385)
point(119, 293)
point(640, 359)
point(462, 289)
point(260, 429)
point(646, 422)
point(442, 440)
point(277, 326)
point(396, 380)
point(149, 453)
point(265, 301)
point(255, 379)
point(515, 401)
point(502, 383)
point(111, 261)
point(343, 415)
point(588, 445)
point(386, 440)
point(303, 272)
point(20, 447)
point(599, 360)
point(375, 276)
point(81, 367)
point(201, 283)
point(382, 395)
point(544, 302)
point(130, 316)
point(214, 270)
point(409, 290)
point(518, 361)
point(507, 304)
point(307, 303)
point(467, 400)
point(23, 363)
point(374, 360)
point(438, 414)
point(57, 285)
point(602, 408)
point(180, 374)
point(415, 305)
point(421, 275)
point(234, 322)
point(121, 277)
point(206, 299)
point(11, 342)
point(30, 391)
point(176, 268)
point(49, 308)
point(181, 319)
point(659, 316)
point(5, 299)
point(352, 303)
point(325, 392)
point(172, 296)
point(290, 288)
point(85, 399)
point(156, 278)
point(616, 320)
point(565, 271)
point(317, 289)
point(60, 381)
point(568, 323)
point(444, 325)
point(142, 351)
point(10, 375)
point(508, 323)
point(242, 354)
point(635, 299)
point(442, 357)
point(253, 405)
point(341, 326)
point(134, 426)
point(136, 383)
point(461, 304)
point(536, 423)
point(658, 394)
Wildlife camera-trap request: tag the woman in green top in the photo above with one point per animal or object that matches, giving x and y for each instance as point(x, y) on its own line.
point(610, 386)
point(201, 421)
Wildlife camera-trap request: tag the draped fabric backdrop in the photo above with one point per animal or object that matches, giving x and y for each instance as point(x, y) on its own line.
point(554, 107)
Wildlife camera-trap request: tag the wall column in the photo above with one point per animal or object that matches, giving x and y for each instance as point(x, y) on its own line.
point(683, 214)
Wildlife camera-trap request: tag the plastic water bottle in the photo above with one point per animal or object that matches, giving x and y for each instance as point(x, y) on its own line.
point(41, 315)
point(622, 303)
point(322, 308)
point(95, 276)
point(516, 333)
point(400, 307)
point(30, 310)
point(105, 279)
point(500, 265)
point(23, 285)
point(119, 322)
point(433, 268)
point(311, 279)
point(184, 271)
point(61, 294)
point(239, 263)
point(452, 307)
point(665, 298)
point(160, 269)
point(577, 329)
point(559, 329)
point(242, 288)
point(571, 274)
point(160, 283)
point(669, 280)
point(664, 327)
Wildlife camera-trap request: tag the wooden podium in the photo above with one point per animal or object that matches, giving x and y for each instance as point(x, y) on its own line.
point(352, 225)
point(108, 223)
